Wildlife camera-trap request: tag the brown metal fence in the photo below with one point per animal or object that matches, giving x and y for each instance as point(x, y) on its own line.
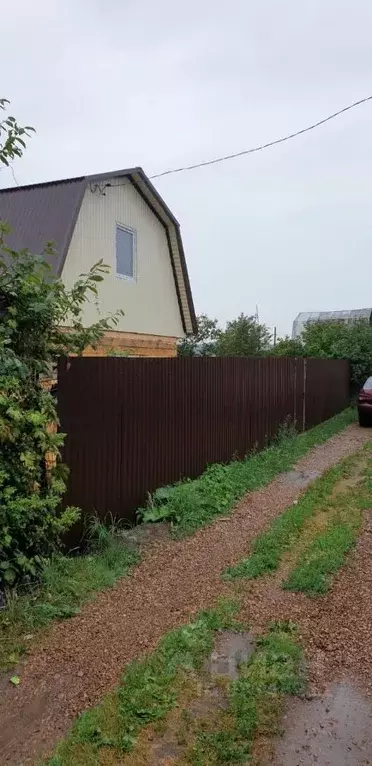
point(136, 424)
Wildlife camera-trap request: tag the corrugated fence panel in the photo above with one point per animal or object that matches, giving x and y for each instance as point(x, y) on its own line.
point(133, 425)
point(327, 389)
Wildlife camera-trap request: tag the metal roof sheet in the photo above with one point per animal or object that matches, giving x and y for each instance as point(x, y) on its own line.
point(44, 212)
point(41, 213)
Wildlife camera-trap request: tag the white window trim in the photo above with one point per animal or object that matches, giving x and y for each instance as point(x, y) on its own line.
point(134, 234)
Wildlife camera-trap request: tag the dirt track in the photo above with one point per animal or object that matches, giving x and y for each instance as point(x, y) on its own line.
point(82, 658)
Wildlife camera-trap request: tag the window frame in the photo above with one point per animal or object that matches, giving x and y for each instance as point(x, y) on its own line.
point(133, 232)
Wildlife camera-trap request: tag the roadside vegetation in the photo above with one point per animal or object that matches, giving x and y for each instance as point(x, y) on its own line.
point(35, 306)
point(65, 583)
point(254, 700)
point(148, 691)
point(324, 554)
point(154, 687)
point(191, 504)
point(323, 558)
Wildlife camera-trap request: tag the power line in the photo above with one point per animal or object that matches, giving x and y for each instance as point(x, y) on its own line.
point(264, 146)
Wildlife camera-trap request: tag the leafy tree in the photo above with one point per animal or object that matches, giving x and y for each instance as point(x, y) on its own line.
point(204, 342)
point(288, 347)
point(243, 336)
point(340, 340)
point(34, 306)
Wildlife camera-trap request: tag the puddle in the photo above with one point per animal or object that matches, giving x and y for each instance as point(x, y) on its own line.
point(230, 651)
point(333, 730)
point(299, 479)
point(165, 754)
point(144, 535)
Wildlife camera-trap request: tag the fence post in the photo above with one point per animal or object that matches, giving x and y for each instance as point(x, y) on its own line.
point(295, 394)
point(304, 397)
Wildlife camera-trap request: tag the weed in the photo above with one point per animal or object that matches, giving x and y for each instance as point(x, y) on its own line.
point(326, 552)
point(65, 583)
point(148, 690)
point(268, 548)
point(324, 556)
point(255, 698)
point(192, 504)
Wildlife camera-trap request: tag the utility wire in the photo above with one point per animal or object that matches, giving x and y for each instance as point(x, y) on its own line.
point(264, 146)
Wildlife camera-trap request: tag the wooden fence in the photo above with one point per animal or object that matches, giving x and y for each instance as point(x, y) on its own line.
point(136, 424)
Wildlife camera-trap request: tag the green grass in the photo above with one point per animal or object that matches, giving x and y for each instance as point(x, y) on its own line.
point(268, 548)
point(148, 691)
point(65, 584)
point(255, 699)
point(323, 558)
point(326, 552)
point(191, 504)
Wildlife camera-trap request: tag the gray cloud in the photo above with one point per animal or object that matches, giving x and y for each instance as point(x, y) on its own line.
point(115, 84)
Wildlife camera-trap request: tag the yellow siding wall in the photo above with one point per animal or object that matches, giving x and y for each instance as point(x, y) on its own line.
point(150, 301)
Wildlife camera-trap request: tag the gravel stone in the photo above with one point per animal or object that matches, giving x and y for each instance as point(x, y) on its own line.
point(77, 661)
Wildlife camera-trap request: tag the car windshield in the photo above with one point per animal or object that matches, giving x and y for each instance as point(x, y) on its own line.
point(368, 385)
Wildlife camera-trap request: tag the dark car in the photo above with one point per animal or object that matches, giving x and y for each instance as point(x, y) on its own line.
point(365, 404)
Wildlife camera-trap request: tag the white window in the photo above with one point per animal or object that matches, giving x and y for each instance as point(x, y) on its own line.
point(125, 252)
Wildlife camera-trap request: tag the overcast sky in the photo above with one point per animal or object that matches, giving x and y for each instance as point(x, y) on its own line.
point(119, 83)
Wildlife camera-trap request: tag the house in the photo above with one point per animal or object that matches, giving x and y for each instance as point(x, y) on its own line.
point(121, 218)
point(350, 315)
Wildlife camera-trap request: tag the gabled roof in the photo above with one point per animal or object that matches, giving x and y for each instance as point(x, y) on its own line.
point(44, 212)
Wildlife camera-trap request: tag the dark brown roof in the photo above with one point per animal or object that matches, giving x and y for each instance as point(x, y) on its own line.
point(44, 212)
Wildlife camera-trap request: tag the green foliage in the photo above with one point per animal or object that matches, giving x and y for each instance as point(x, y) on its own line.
point(324, 557)
point(326, 552)
point(12, 136)
point(268, 548)
point(204, 342)
point(243, 336)
point(333, 340)
point(35, 311)
point(340, 340)
point(190, 504)
point(65, 583)
point(288, 347)
point(148, 690)
point(150, 687)
point(255, 699)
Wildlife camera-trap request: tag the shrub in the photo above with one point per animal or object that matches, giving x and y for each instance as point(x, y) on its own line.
point(35, 308)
